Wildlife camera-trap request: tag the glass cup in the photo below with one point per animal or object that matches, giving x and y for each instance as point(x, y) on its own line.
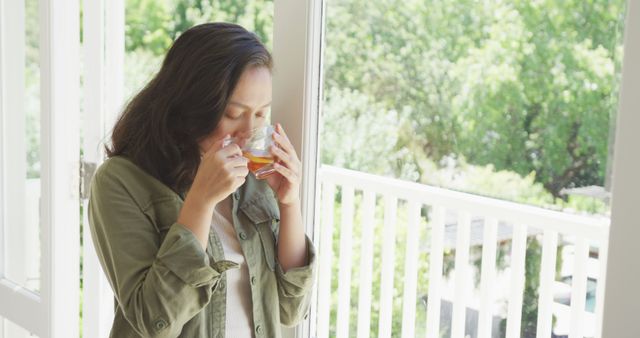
point(257, 148)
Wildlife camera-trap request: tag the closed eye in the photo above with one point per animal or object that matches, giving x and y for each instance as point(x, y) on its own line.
point(259, 114)
point(231, 117)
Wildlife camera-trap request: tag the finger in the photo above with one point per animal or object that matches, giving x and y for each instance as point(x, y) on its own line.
point(218, 144)
point(237, 171)
point(239, 181)
point(238, 162)
point(286, 172)
point(281, 130)
point(284, 157)
point(231, 150)
point(285, 139)
point(284, 143)
point(240, 172)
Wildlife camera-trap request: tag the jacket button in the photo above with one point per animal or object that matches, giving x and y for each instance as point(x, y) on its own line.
point(160, 324)
point(259, 329)
point(253, 280)
point(243, 236)
point(274, 221)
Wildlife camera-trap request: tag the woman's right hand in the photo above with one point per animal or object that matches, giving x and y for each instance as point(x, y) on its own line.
point(222, 170)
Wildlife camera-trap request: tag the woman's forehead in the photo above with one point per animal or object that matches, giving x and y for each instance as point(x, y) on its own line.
point(253, 89)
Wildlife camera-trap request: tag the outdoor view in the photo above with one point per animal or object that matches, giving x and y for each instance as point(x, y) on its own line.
point(511, 100)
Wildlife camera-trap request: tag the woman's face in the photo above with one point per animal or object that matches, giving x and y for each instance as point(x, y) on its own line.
point(248, 106)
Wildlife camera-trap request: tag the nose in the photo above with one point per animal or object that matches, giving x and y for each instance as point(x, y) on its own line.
point(244, 130)
point(248, 125)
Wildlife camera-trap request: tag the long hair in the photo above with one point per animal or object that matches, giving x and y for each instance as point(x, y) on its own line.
point(161, 126)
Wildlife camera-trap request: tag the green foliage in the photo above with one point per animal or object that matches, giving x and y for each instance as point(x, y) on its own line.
point(531, 286)
point(525, 86)
point(456, 174)
point(256, 16)
point(139, 67)
point(552, 112)
point(362, 135)
point(148, 26)
point(32, 88)
point(152, 25)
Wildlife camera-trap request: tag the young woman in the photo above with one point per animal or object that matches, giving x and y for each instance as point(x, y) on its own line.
point(193, 244)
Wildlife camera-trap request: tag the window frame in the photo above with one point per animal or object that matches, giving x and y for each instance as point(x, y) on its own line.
point(298, 27)
point(298, 90)
point(620, 310)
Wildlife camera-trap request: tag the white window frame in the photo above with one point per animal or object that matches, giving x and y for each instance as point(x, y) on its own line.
point(298, 31)
point(103, 50)
point(622, 303)
point(53, 311)
point(298, 26)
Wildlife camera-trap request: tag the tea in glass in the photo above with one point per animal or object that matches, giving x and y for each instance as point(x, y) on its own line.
point(257, 150)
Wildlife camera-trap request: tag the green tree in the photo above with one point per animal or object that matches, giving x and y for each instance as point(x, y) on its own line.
point(148, 26)
point(525, 86)
point(152, 25)
point(543, 91)
point(256, 16)
point(358, 133)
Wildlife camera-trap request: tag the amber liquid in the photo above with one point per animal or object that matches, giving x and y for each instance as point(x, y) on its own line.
point(257, 162)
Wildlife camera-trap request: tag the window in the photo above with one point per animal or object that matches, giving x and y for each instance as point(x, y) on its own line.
point(20, 228)
point(501, 116)
point(464, 151)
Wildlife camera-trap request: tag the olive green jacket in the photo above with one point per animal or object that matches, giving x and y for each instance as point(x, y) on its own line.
point(165, 284)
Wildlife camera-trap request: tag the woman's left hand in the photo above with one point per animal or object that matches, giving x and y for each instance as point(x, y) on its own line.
point(285, 182)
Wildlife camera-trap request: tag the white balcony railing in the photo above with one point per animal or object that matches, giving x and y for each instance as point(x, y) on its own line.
point(586, 233)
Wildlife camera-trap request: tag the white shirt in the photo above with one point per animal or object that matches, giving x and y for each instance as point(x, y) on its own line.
point(239, 314)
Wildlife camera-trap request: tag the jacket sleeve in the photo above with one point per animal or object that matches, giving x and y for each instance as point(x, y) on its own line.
point(294, 288)
point(159, 285)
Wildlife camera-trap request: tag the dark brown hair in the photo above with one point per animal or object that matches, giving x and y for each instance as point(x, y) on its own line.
point(161, 126)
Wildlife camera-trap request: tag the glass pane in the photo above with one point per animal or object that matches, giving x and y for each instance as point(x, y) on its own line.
point(493, 101)
point(470, 101)
point(22, 177)
point(14, 331)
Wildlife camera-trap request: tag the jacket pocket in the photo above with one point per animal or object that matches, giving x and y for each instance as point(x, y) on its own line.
point(264, 214)
point(163, 212)
point(268, 240)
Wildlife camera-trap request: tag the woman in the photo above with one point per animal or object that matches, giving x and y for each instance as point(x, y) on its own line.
point(192, 244)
